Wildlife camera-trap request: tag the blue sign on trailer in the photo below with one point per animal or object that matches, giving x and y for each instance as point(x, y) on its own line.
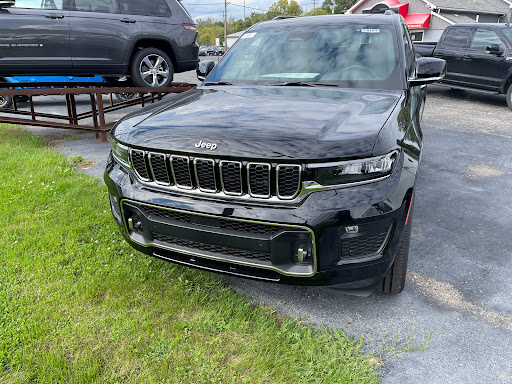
point(6, 101)
point(54, 79)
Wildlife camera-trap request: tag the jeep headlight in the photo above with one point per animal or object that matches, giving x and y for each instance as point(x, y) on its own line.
point(121, 153)
point(357, 171)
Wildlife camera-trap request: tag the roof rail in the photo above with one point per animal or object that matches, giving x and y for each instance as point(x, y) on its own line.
point(283, 17)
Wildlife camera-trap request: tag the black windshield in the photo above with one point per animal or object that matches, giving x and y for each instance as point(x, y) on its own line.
point(352, 56)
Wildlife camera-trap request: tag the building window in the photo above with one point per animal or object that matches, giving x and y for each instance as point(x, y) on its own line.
point(417, 36)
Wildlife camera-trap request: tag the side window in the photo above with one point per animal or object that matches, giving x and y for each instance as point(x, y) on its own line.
point(152, 8)
point(100, 6)
point(39, 4)
point(484, 38)
point(456, 37)
point(409, 51)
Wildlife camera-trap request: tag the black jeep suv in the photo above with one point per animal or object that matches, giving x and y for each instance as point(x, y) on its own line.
point(294, 162)
point(147, 40)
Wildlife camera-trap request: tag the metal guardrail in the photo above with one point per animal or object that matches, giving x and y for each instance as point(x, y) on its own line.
point(97, 111)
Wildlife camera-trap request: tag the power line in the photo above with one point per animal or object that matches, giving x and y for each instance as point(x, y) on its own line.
point(236, 5)
point(257, 9)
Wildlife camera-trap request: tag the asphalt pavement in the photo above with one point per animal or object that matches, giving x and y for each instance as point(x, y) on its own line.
point(457, 301)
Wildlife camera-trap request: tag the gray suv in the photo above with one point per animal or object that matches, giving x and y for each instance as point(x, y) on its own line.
point(147, 40)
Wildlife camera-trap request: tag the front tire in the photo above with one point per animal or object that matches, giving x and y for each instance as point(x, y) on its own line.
point(394, 280)
point(509, 96)
point(151, 67)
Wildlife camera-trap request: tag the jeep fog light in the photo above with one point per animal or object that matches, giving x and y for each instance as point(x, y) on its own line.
point(302, 251)
point(354, 171)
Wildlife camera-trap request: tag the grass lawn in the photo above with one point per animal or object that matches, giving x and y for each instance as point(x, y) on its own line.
point(78, 305)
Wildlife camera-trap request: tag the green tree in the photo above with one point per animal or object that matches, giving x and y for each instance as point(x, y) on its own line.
point(340, 6)
point(284, 8)
point(208, 30)
point(317, 12)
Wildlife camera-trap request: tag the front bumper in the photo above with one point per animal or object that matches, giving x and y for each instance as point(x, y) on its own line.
point(346, 237)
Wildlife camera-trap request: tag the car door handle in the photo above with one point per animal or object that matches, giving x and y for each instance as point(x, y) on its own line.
point(467, 57)
point(128, 21)
point(438, 55)
point(54, 16)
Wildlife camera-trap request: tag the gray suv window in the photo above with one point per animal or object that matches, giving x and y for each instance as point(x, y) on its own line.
point(152, 8)
point(39, 4)
point(101, 6)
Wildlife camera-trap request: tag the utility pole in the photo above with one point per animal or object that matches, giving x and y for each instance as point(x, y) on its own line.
point(225, 25)
point(244, 14)
point(314, 7)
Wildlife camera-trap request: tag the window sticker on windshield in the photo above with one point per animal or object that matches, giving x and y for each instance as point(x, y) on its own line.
point(370, 30)
point(293, 75)
point(248, 35)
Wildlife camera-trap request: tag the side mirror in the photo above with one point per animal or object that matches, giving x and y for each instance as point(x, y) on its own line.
point(428, 70)
point(204, 68)
point(494, 49)
point(7, 3)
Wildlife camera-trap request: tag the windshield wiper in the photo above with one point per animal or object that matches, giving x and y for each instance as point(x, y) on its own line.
point(303, 84)
point(218, 83)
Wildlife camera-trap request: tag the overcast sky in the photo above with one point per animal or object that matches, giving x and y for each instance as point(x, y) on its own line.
point(202, 9)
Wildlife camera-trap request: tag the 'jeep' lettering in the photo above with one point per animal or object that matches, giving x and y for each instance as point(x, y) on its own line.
point(210, 146)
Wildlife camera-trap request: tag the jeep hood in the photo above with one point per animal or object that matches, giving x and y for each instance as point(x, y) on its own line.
point(269, 122)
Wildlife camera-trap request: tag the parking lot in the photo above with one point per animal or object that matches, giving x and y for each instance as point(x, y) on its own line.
point(458, 289)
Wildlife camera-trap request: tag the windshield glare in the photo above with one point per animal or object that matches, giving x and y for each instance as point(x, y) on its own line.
point(352, 56)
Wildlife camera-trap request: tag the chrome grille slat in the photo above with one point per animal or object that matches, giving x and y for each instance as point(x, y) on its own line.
point(229, 177)
point(139, 164)
point(181, 171)
point(258, 179)
point(288, 180)
point(158, 165)
point(205, 175)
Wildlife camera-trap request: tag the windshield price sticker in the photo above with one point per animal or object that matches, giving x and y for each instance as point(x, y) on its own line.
point(248, 35)
point(370, 30)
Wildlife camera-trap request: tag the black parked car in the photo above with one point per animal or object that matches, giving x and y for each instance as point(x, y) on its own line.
point(478, 56)
point(148, 40)
point(294, 162)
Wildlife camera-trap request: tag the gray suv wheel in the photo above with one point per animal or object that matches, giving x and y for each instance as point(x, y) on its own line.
point(5, 101)
point(152, 67)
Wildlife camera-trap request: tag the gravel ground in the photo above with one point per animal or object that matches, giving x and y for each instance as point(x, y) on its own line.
point(458, 289)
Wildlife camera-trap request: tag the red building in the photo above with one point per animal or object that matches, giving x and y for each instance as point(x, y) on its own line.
point(428, 18)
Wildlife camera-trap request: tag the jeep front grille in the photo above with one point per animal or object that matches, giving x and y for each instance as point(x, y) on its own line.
point(233, 178)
